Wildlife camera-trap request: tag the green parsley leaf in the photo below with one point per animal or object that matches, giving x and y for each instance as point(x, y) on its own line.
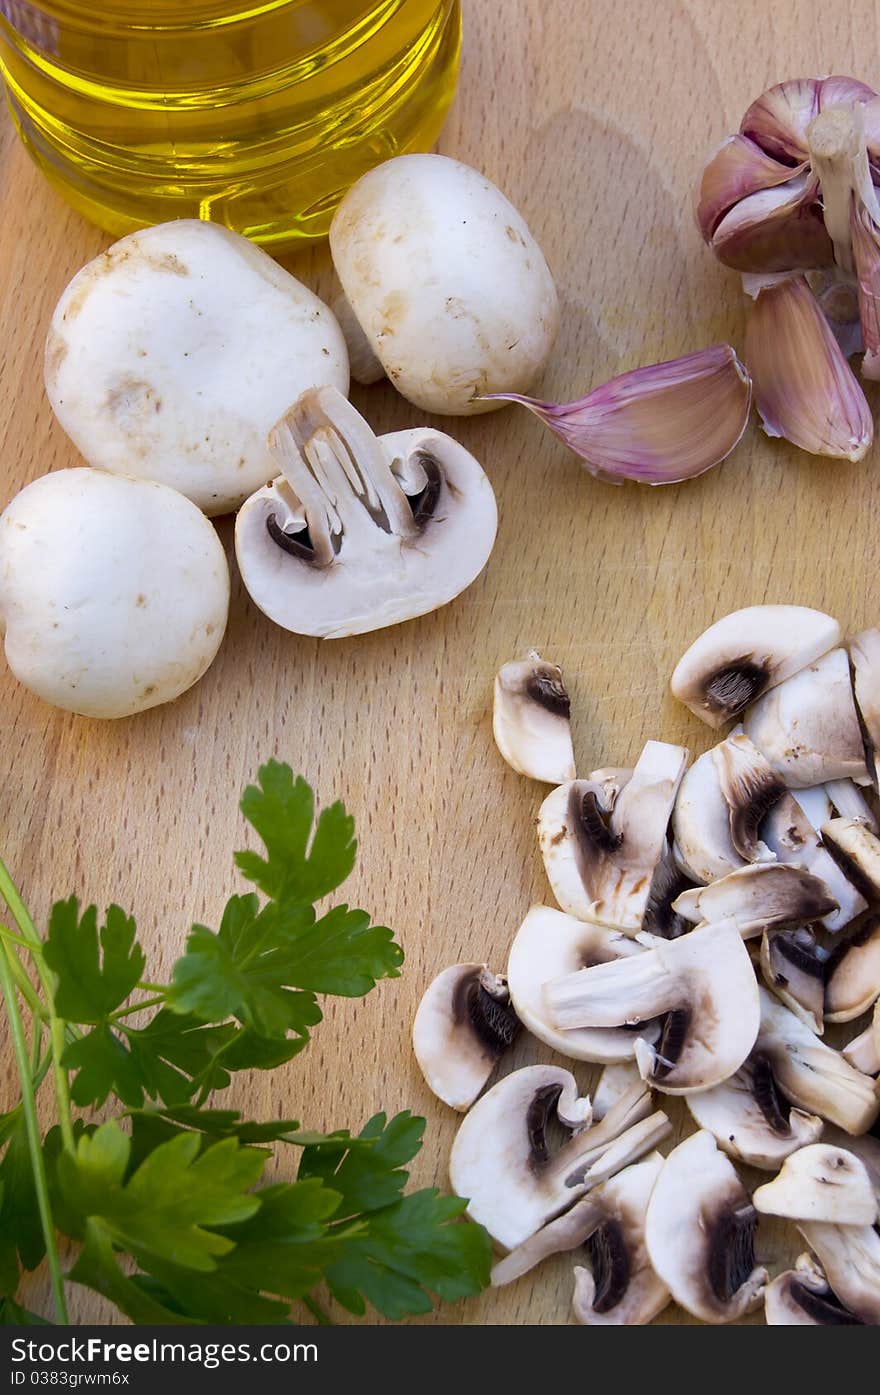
point(412, 1249)
point(12, 1314)
point(366, 1178)
point(21, 1238)
point(285, 1247)
point(91, 983)
point(165, 1207)
point(282, 810)
point(96, 1268)
point(103, 1064)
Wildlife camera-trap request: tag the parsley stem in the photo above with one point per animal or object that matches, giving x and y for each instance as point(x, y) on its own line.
point(23, 983)
point(323, 1319)
point(35, 1146)
point(18, 940)
point(136, 1007)
point(20, 914)
point(153, 987)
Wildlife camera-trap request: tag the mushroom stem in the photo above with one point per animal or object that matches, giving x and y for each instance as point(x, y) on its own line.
point(338, 469)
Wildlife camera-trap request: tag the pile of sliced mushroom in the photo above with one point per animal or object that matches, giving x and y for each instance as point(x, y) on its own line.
point(713, 919)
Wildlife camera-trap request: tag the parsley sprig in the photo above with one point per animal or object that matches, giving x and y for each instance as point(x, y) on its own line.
point(164, 1199)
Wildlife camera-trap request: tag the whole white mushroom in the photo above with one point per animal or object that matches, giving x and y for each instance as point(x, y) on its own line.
point(172, 354)
point(444, 283)
point(114, 592)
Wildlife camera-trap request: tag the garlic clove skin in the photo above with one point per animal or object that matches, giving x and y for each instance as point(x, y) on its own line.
point(866, 256)
point(738, 168)
point(776, 229)
point(530, 720)
point(656, 425)
point(805, 390)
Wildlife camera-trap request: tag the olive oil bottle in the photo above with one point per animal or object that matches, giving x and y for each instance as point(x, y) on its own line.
point(257, 115)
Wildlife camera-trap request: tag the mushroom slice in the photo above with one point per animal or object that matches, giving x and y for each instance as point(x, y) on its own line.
point(501, 1160)
point(856, 850)
point(849, 803)
point(747, 652)
point(793, 965)
point(750, 1120)
point(701, 824)
point(808, 727)
point(530, 719)
point(761, 896)
point(360, 532)
point(463, 1024)
point(700, 1233)
point(813, 1075)
point(790, 834)
point(802, 1297)
point(616, 1080)
point(850, 1256)
point(863, 1052)
point(852, 975)
point(620, 1286)
point(703, 987)
point(601, 858)
point(864, 654)
point(750, 790)
point(820, 1183)
point(547, 945)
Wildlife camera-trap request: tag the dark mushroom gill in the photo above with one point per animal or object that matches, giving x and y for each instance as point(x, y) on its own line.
point(731, 1256)
point(610, 1264)
point(545, 687)
point(492, 1019)
point(730, 689)
point(768, 1097)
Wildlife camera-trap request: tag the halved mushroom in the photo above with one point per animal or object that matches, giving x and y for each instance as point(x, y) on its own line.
point(700, 1233)
point(502, 1162)
point(360, 532)
point(856, 850)
point(791, 835)
point(808, 727)
point(173, 353)
point(813, 1075)
point(852, 974)
point(850, 1256)
point(747, 652)
point(463, 1024)
point(802, 1297)
point(530, 719)
point(620, 1286)
point(749, 1118)
point(863, 1052)
point(601, 858)
point(701, 824)
point(703, 987)
point(793, 964)
point(758, 897)
point(864, 654)
point(547, 945)
point(820, 1183)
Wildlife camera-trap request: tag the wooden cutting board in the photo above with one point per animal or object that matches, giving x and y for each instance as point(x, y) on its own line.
point(595, 118)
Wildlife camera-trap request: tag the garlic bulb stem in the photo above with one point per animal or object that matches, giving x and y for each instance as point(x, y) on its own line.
point(839, 157)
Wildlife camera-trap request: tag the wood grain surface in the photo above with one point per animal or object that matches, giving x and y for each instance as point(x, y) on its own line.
point(595, 118)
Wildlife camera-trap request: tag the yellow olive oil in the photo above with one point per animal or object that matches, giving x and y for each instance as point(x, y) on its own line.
point(258, 116)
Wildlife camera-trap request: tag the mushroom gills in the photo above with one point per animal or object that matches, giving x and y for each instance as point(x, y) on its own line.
point(852, 973)
point(702, 983)
point(746, 653)
point(700, 1233)
point(850, 1257)
point(793, 965)
point(802, 1297)
point(463, 1025)
point(530, 720)
point(601, 850)
point(761, 896)
point(856, 850)
point(750, 1119)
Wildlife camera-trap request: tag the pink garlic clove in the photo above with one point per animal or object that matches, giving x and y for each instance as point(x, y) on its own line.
point(775, 229)
point(657, 425)
point(804, 388)
point(738, 168)
point(778, 119)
